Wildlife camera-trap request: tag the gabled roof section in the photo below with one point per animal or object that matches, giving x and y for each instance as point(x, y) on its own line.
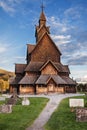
point(46, 63)
point(62, 68)
point(28, 79)
point(57, 79)
point(30, 48)
point(45, 33)
point(68, 80)
point(66, 68)
point(15, 80)
point(44, 79)
point(19, 68)
point(34, 66)
point(39, 28)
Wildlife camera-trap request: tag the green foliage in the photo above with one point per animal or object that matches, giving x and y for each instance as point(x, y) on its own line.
point(82, 87)
point(1, 85)
point(22, 116)
point(5, 75)
point(4, 85)
point(64, 119)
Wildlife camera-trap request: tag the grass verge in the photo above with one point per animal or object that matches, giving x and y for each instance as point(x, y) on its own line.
point(64, 119)
point(22, 116)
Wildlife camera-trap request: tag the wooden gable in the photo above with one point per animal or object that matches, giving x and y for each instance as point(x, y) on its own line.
point(49, 68)
point(45, 50)
point(40, 31)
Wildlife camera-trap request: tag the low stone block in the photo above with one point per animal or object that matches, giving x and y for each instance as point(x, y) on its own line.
point(25, 101)
point(6, 109)
point(81, 114)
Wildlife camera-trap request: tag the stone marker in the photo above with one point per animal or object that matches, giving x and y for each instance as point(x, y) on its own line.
point(81, 114)
point(13, 99)
point(25, 101)
point(76, 102)
point(6, 109)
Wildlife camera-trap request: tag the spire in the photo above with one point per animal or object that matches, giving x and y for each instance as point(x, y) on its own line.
point(42, 7)
point(42, 19)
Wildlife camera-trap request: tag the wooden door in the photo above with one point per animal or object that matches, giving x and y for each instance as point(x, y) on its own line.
point(51, 87)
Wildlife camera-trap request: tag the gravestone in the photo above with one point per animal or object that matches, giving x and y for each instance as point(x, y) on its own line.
point(14, 98)
point(73, 103)
point(81, 114)
point(6, 109)
point(76, 102)
point(25, 101)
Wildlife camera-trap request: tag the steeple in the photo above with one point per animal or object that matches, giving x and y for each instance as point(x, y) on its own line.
point(41, 28)
point(42, 19)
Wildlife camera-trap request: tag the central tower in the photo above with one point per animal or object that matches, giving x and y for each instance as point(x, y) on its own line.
point(41, 28)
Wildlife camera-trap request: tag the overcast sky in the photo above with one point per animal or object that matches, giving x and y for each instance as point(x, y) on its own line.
point(68, 25)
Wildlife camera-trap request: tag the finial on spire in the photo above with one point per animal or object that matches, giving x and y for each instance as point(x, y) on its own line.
point(42, 6)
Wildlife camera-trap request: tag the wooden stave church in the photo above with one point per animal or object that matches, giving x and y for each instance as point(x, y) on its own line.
point(43, 72)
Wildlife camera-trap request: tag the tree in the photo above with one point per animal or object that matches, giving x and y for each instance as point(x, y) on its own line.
point(82, 87)
point(1, 85)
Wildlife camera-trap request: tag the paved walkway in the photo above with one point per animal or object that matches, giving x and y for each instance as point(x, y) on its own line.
point(48, 110)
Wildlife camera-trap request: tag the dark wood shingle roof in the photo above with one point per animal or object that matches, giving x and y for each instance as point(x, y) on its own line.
point(30, 48)
point(68, 80)
point(15, 80)
point(28, 79)
point(34, 66)
point(44, 79)
point(19, 68)
point(62, 68)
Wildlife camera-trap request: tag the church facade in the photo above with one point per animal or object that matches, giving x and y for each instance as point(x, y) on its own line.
point(43, 71)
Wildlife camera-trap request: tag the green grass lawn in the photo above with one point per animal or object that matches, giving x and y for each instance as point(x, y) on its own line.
point(22, 116)
point(63, 119)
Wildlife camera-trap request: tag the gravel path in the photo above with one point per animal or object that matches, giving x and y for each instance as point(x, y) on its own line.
point(48, 110)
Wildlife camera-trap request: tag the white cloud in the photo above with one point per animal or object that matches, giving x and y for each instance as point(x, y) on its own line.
point(82, 80)
point(73, 12)
point(6, 7)
point(10, 6)
point(57, 24)
point(2, 49)
point(61, 39)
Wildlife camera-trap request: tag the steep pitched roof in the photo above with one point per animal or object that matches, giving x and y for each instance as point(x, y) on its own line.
point(19, 68)
point(43, 26)
point(34, 66)
point(28, 79)
point(15, 80)
point(38, 66)
point(44, 79)
point(62, 68)
point(58, 79)
point(45, 33)
point(68, 80)
point(45, 64)
point(42, 16)
point(30, 48)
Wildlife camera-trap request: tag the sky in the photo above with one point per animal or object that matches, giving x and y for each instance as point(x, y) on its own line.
point(68, 26)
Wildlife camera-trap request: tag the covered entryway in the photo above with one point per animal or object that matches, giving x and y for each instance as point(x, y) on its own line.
point(51, 86)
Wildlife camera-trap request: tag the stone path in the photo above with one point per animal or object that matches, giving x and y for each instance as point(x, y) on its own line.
point(48, 110)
